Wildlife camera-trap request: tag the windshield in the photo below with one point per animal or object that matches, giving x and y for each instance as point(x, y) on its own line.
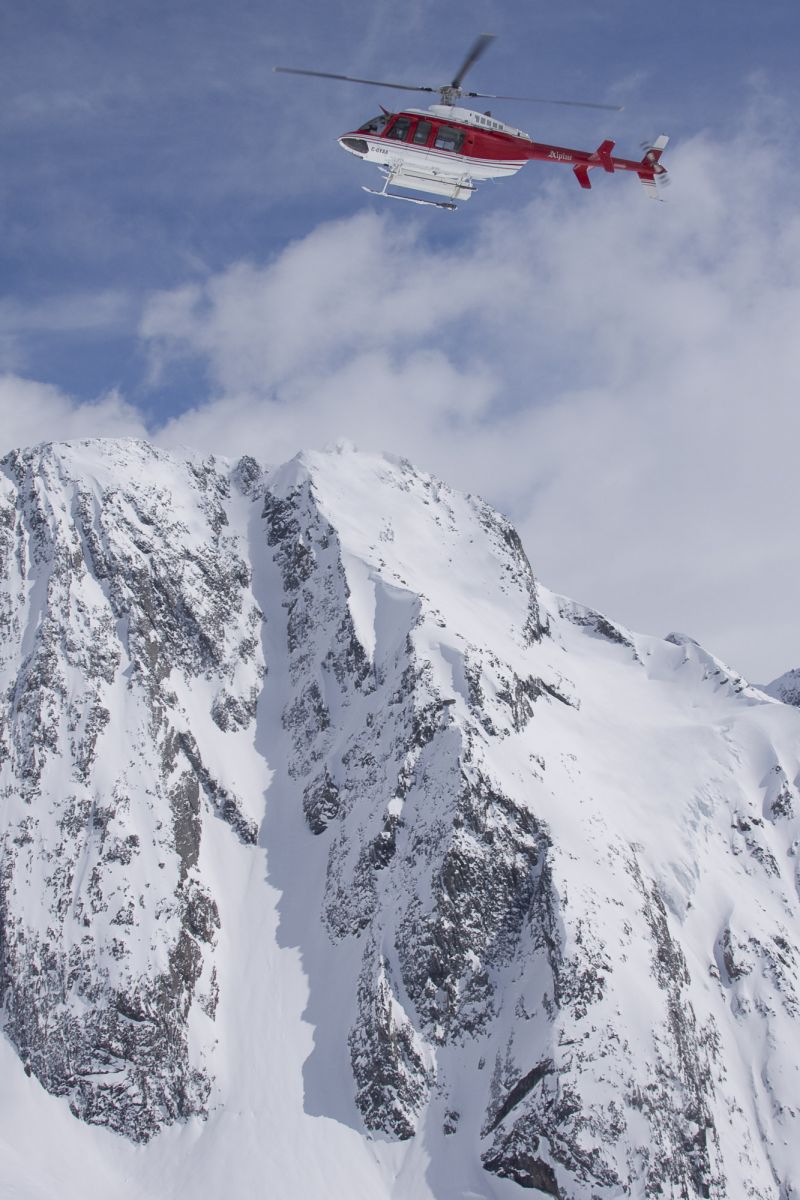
point(376, 125)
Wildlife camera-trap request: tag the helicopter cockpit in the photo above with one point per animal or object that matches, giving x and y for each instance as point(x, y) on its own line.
point(375, 125)
point(410, 128)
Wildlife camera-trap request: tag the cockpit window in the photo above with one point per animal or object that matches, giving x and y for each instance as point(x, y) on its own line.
point(449, 138)
point(422, 133)
point(400, 129)
point(376, 125)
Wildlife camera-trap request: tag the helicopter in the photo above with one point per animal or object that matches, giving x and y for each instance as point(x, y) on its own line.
point(446, 150)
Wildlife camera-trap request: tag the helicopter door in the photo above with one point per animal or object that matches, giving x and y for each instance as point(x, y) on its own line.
point(399, 129)
point(422, 133)
point(412, 130)
point(448, 137)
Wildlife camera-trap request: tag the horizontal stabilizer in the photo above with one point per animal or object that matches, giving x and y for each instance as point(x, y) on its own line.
point(582, 174)
point(603, 155)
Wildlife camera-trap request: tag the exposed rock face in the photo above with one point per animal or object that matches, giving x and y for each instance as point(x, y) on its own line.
point(119, 594)
point(561, 858)
point(786, 688)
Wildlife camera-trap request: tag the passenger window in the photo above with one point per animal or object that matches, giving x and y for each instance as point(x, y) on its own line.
point(449, 138)
point(422, 133)
point(400, 129)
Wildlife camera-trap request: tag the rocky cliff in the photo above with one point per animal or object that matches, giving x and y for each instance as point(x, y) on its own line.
point(308, 752)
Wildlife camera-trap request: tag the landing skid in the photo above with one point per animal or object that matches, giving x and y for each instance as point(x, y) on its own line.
point(410, 199)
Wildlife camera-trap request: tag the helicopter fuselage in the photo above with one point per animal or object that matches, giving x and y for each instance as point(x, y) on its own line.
point(446, 150)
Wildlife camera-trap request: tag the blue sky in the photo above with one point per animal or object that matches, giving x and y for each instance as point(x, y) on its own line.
point(187, 253)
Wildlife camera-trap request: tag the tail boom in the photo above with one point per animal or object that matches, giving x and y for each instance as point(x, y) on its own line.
point(648, 169)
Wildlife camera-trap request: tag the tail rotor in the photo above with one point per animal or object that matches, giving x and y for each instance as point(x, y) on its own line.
point(651, 169)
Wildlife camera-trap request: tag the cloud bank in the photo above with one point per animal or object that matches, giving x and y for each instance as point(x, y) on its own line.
point(32, 412)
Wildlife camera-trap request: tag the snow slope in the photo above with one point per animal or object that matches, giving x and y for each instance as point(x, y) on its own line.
point(341, 858)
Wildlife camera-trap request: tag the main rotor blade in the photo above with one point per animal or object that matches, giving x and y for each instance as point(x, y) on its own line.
point(542, 100)
point(403, 87)
point(476, 51)
point(482, 42)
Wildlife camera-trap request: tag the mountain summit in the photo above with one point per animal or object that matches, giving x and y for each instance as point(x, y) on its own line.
point(342, 859)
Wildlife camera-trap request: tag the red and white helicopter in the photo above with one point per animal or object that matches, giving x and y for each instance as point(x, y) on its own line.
point(446, 150)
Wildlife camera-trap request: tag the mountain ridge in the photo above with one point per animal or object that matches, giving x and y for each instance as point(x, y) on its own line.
point(529, 878)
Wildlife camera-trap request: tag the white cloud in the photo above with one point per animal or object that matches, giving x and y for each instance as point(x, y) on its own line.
point(80, 312)
point(349, 287)
point(32, 412)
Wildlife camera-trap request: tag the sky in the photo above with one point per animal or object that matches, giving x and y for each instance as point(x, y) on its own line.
point(186, 254)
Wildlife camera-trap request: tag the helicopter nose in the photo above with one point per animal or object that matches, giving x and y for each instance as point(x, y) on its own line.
point(354, 145)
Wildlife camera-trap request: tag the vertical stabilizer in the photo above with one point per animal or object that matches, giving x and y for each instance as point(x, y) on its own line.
point(650, 167)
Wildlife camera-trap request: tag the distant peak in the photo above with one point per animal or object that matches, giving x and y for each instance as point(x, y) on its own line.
point(341, 446)
point(682, 639)
point(785, 688)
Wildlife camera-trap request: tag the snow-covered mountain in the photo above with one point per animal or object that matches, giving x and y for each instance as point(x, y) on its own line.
point(786, 687)
point(341, 859)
